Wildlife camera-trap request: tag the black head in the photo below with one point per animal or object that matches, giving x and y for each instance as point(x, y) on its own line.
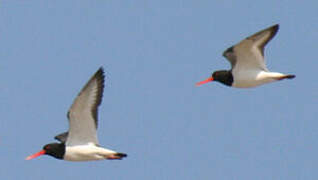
point(56, 150)
point(223, 76)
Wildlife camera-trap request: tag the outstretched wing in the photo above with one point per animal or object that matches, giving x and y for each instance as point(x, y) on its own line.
point(249, 53)
point(84, 111)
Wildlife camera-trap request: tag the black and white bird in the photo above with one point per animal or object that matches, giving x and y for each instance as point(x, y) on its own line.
point(248, 64)
point(80, 143)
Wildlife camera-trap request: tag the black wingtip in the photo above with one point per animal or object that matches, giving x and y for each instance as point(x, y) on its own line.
point(99, 74)
point(100, 78)
point(275, 28)
point(101, 68)
point(100, 71)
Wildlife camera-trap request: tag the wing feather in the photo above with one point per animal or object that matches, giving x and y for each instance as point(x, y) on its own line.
point(83, 114)
point(249, 53)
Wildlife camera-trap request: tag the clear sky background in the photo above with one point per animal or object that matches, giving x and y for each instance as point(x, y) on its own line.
point(153, 53)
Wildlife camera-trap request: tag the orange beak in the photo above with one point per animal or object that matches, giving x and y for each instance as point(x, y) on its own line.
point(35, 155)
point(205, 81)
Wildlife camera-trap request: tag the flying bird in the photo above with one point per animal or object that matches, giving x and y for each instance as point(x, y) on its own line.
point(248, 63)
point(80, 143)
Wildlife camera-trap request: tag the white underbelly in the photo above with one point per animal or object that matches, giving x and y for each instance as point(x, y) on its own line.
point(248, 79)
point(86, 153)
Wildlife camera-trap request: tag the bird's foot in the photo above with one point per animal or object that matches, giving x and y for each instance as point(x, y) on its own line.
point(115, 156)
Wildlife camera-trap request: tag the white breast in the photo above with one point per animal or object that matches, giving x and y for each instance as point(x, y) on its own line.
point(86, 153)
point(252, 78)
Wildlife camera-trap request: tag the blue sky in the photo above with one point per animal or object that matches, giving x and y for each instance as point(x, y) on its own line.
point(153, 53)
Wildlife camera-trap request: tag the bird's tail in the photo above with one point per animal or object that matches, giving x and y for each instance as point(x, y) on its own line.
point(116, 156)
point(289, 76)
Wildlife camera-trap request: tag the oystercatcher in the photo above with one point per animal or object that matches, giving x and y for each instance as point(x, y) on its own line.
point(248, 64)
point(80, 142)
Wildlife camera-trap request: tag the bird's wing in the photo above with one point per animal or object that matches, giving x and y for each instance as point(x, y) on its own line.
point(249, 53)
point(230, 56)
point(62, 137)
point(84, 111)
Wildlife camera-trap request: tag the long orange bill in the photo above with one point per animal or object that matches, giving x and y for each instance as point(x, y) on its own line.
point(205, 81)
point(35, 155)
